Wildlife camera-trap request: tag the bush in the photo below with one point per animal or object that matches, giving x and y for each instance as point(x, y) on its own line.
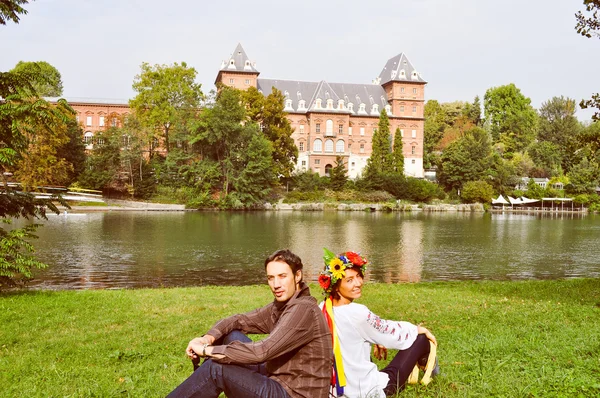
point(477, 191)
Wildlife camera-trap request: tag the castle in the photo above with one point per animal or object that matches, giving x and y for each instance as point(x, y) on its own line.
point(329, 119)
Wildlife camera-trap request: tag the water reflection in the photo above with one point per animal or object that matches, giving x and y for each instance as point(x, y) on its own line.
point(135, 249)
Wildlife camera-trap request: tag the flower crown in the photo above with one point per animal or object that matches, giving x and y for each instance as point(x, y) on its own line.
point(335, 267)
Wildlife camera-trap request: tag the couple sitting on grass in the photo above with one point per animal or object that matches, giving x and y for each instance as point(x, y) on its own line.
point(311, 351)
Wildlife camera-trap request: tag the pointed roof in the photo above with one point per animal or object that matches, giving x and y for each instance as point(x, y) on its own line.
point(399, 69)
point(238, 61)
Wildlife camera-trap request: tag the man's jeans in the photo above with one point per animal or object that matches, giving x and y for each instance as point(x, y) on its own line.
point(237, 381)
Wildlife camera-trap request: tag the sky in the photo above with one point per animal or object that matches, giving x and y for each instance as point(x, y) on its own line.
point(461, 47)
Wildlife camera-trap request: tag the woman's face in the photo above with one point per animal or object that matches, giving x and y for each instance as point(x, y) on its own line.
point(350, 286)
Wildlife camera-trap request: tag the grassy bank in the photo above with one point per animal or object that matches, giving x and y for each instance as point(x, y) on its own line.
point(511, 339)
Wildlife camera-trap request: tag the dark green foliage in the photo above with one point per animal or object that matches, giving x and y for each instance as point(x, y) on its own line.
point(73, 151)
point(381, 161)
point(503, 175)
point(477, 192)
point(589, 26)
point(104, 162)
point(10, 10)
point(16, 259)
point(338, 175)
point(467, 159)
point(308, 180)
point(583, 177)
point(547, 158)
point(435, 125)
point(397, 154)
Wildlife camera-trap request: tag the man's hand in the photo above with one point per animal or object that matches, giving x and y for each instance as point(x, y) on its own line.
point(427, 333)
point(195, 347)
point(379, 352)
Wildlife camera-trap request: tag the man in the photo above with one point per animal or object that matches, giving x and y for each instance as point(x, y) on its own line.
point(294, 361)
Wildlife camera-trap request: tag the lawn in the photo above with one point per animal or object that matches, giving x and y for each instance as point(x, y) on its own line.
point(503, 339)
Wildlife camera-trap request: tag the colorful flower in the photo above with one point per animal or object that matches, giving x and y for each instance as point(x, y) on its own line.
point(356, 259)
point(324, 281)
point(337, 268)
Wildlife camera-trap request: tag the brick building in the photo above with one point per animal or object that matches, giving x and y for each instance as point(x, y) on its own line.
point(331, 119)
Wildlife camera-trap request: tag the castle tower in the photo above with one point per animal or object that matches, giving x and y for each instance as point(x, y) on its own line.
point(238, 71)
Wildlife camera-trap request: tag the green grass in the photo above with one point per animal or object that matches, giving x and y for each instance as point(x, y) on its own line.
point(502, 339)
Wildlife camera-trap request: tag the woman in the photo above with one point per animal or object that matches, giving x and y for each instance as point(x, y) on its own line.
point(355, 328)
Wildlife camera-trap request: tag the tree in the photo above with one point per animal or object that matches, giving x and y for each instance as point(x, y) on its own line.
point(467, 159)
point(104, 162)
point(167, 98)
point(380, 161)
point(48, 81)
point(10, 10)
point(268, 113)
point(546, 157)
point(559, 126)
point(398, 153)
point(510, 117)
point(73, 151)
point(225, 137)
point(473, 111)
point(589, 26)
point(435, 125)
point(338, 175)
point(583, 177)
point(477, 192)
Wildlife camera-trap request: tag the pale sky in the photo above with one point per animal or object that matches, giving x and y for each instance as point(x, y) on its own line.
point(461, 47)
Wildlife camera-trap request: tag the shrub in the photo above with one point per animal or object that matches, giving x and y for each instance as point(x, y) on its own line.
point(477, 191)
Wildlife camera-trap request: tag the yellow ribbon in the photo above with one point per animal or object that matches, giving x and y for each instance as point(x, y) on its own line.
point(337, 352)
point(414, 376)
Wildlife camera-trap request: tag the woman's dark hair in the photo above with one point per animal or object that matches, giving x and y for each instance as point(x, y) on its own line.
point(286, 256)
point(334, 289)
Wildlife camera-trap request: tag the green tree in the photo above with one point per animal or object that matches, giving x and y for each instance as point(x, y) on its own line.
point(588, 141)
point(167, 98)
point(467, 159)
point(503, 175)
point(48, 81)
point(380, 161)
point(477, 192)
point(473, 111)
point(584, 177)
point(546, 157)
point(225, 136)
point(10, 10)
point(559, 126)
point(268, 113)
point(588, 26)
point(435, 125)
point(510, 117)
point(338, 174)
point(73, 151)
point(398, 153)
point(104, 162)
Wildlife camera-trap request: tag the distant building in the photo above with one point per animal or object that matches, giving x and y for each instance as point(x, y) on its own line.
point(94, 115)
point(331, 119)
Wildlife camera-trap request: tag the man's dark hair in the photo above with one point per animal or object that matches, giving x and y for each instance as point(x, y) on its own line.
point(286, 256)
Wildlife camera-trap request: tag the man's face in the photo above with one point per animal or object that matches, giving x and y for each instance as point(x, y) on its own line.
point(281, 280)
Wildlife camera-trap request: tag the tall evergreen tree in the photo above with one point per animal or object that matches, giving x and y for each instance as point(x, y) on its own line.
point(381, 161)
point(398, 154)
point(338, 177)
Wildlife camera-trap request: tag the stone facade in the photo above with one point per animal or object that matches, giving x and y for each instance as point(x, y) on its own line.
point(338, 119)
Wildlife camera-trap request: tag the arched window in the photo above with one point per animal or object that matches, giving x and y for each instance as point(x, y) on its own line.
point(329, 126)
point(328, 145)
point(88, 137)
point(328, 168)
point(318, 145)
point(339, 146)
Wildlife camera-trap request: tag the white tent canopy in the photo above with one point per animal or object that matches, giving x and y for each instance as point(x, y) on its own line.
point(499, 201)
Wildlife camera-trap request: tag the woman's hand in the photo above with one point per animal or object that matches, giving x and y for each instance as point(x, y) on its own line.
point(195, 347)
point(427, 333)
point(379, 352)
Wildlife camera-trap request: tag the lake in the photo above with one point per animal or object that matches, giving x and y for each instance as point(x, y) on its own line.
point(152, 249)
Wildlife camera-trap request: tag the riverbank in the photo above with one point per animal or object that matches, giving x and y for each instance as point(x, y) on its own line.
point(533, 338)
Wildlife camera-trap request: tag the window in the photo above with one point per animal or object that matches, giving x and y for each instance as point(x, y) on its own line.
point(401, 89)
point(301, 129)
point(362, 148)
point(414, 134)
point(413, 161)
point(329, 126)
point(328, 168)
point(414, 108)
point(349, 130)
point(88, 121)
point(247, 82)
point(87, 137)
point(301, 104)
point(301, 146)
point(231, 81)
point(77, 118)
point(361, 108)
point(101, 121)
point(340, 128)
point(113, 122)
point(339, 146)
point(353, 164)
point(362, 131)
point(303, 163)
point(125, 140)
point(329, 146)
point(329, 104)
point(401, 132)
point(100, 141)
point(414, 148)
point(401, 108)
point(317, 161)
point(318, 145)
point(414, 90)
point(318, 128)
